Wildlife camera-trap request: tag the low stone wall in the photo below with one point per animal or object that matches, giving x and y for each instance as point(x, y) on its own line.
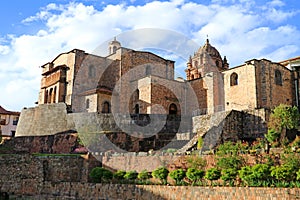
point(68, 190)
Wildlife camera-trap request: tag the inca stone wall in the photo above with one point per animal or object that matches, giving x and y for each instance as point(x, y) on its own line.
point(45, 119)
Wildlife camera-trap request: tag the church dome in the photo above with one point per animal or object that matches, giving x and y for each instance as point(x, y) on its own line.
point(210, 50)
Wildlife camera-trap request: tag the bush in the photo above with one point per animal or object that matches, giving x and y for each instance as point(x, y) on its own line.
point(283, 173)
point(161, 173)
point(227, 148)
point(212, 174)
point(131, 175)
point(143, 175)
point(229, 175)
point(177, 175)
point(195, 174)
point(255, 175)
point(228, 162)
point(99, 174)
point(119, 175)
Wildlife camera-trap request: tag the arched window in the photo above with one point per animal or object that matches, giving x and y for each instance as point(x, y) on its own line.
point(114, 49)
point(278, 77)
point(54, 95)
point(233, 79)
point(105, 107)
point(172, 109)
point(46, 97)
point(196, 63)
point(87, 104)
point(136, 109)
point(50, 95)
point(148, 69)
point(137, 94)
point(92, 71)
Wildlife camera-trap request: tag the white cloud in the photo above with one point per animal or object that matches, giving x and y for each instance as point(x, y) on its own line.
point(240, 30)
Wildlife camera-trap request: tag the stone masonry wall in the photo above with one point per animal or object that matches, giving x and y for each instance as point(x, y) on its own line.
point(26, 174)
point(66, 177)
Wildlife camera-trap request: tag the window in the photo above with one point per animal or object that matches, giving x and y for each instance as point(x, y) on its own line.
point(136, 109)
point(233, 79)
point(50, 95)
point(105, 107)
point(15, 121)
point(13, 133)
point(137, 94)
point(148, 70)
point(87, 104)
point(278, 77)
point(172, 109)
point(92, 71)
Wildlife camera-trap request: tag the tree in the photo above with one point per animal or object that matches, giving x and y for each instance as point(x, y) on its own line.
point(177, 175)
point(161, 173)
point(195, 174)
point(283, 117)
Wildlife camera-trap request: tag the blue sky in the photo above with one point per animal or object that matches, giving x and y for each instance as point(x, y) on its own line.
point(33, 33)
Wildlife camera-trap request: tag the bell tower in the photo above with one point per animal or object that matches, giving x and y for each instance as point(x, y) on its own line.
point(113, 46)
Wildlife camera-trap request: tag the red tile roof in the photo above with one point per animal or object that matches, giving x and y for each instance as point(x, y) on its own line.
point(6, 112)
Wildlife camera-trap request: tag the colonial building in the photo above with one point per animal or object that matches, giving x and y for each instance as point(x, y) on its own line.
point(8, 122)
point(129, 81)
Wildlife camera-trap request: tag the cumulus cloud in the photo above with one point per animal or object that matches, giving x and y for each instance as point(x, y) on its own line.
point(240, 29)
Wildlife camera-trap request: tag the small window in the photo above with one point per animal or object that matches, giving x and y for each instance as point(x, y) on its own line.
point(13, 133)
point(196, 64)
point(217, 63)
point(92, 71)
point(87, 104)
point(233, 79)
point(137, 94)
point(148, 70)
point(136, 109)
point(105, 107)
point(172, 109)
point(15, 121)
point(278, 77)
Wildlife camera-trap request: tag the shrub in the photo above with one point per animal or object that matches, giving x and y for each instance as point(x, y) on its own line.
point(161, 173)
point(99, 174)
point(212, 174)
point(143, 175)
point(119, 175)
point(131, 175)
point(195, 174)
point(283, 173)
point(255, 174)
point(177, 175)
point(228, 162)
point(229, 175)
point(227, 148)
point(298, 175)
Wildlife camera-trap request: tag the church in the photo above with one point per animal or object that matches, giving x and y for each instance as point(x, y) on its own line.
point(139, 82)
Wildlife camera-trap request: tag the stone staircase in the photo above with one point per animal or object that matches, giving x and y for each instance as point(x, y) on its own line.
point(209, 127)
